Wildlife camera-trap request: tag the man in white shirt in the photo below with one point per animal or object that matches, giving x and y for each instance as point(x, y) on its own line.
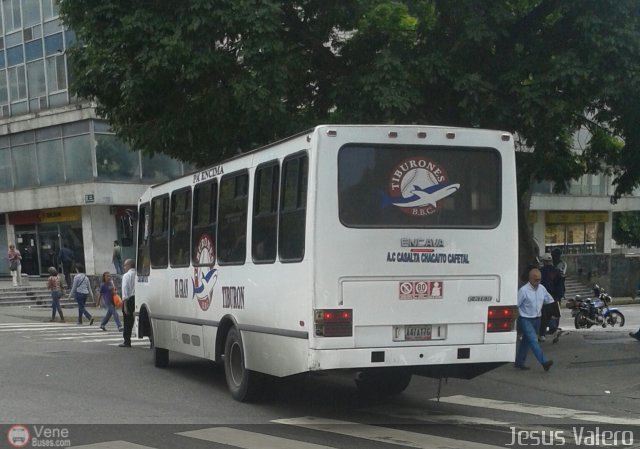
point(531, 296)
point(128, 300)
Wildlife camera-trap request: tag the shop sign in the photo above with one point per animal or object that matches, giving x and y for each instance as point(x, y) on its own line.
point(577, 217)
point(59, 215)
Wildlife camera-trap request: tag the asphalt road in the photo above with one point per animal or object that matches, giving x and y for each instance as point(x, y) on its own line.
point(77, 380)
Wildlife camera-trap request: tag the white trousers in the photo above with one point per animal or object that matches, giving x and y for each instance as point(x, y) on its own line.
point(16, 276)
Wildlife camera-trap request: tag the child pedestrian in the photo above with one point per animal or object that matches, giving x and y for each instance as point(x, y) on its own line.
point(107, 289)
point(55, 286)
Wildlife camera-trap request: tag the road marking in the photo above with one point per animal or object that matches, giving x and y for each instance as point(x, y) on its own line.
point(381, 434)
point(248, 440)
point(538, 410)
point(112, 445)
point(430, 416)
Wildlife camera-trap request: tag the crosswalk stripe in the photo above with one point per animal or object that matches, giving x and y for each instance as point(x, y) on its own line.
point(119, 444)
point(248, 440)
point(430, 416)
point(381, 434)
point(539, 410)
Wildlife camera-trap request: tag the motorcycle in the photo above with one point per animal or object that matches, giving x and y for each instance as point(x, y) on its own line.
point(596, 311)
point(574, 305)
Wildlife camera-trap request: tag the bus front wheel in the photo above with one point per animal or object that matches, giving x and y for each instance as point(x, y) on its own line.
point(243, 384)
point(388, 381)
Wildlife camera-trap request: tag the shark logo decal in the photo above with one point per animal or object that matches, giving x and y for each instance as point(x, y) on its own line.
point(417, 185)
point(204, 275)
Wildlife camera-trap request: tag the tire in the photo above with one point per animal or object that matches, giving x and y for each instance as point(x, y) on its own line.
point(383, 382)
point(581, 321)
point(614, 319)
point(243, 384)
point(160, 355)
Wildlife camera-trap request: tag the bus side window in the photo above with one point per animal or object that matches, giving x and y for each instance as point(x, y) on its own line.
point(205, 212)
point(159, 231)
point(264, 233)
point(143, 264)
point(180, 228)
point(232, 222)
point(293, 208)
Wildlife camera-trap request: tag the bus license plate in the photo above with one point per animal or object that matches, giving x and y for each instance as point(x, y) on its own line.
point(421, 332)
point(417, 333)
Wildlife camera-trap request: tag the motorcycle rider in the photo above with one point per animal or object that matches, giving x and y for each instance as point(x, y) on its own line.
point(552, 281)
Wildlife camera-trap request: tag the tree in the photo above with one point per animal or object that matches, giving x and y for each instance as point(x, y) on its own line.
point(626, 228)
point(201, 80)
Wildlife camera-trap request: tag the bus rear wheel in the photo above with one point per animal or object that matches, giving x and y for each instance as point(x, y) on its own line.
point(160, 355)
point(243, 384)
point(383, 382)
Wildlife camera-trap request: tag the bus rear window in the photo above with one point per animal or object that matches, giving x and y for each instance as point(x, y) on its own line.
point(419, 186)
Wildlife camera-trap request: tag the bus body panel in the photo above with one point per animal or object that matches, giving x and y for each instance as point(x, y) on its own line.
point(363, 269)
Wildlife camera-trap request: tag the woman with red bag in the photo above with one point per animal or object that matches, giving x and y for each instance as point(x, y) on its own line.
point(107, 291)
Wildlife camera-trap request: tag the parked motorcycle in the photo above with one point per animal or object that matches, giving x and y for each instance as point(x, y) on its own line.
point(596, 311)
point(574, 305)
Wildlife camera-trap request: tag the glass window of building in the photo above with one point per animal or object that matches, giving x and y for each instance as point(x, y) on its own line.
point(15, 55)
point(35, 76)
point(3, 61)
point(33, 50)
point(49, 9)
point(23, 158)
point(11, 14)
point(31, 10)
point(50, 163)
point(116, 162)
point(4, 93)
point(56, 73)
point(53, 44)
point(160, 167)
point(5, 169)
point(77, 157)
point(17, 83)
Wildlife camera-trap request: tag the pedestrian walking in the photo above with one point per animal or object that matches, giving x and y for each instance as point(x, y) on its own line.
point(552, 281)
point(107, 290)
point(116, 258)
point(15, 265)
point(66, 257)
point(80, 290)
point(129, 300)
point(54, 284)
point(531, 296)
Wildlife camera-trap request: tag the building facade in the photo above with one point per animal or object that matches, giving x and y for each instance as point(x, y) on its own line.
point(65, 179)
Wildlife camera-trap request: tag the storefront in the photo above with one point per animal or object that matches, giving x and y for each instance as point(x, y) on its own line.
point(39, 235)
point(575, 232)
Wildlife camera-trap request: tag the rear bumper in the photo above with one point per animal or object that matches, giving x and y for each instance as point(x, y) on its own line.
point(417, 357)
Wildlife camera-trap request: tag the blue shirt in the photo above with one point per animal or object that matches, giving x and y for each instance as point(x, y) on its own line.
point(530, 300)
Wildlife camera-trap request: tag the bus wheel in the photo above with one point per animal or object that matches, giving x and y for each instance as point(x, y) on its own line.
point(160, 355)
point(387, 381)
point(243, 384)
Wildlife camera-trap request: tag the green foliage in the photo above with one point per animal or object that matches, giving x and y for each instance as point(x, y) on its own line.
point(626, 228)
point(200, 80)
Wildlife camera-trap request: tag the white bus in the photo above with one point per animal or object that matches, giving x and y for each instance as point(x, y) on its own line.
point(386, 250)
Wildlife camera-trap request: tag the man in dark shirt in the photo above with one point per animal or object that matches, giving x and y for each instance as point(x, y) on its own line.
point(66, 257)
point(552, 281)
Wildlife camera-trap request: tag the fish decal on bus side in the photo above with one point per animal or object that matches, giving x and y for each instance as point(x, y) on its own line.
point(417, 185)
point(204, 275)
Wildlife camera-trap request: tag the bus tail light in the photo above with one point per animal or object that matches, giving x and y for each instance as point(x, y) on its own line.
point(333, 322)
point(501, 318)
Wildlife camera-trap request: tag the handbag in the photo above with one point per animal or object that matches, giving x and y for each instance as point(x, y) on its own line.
point(13, 265)
point(117, 300)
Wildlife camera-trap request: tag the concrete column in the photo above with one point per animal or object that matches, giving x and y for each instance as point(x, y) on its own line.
point(608, 233)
